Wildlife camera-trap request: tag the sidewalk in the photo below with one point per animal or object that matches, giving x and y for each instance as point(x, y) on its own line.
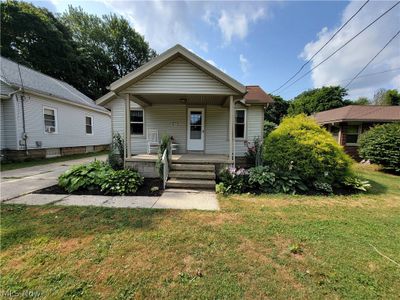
point(170, 199)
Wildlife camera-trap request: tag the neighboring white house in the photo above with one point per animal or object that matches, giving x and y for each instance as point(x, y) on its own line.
point(210, 115)
point(44, 117)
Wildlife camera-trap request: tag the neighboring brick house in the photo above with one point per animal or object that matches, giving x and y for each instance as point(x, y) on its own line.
point(347, 123)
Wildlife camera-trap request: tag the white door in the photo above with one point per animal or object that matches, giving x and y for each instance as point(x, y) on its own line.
point(195, 123)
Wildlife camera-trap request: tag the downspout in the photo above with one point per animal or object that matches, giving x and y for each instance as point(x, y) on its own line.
point(24, 135)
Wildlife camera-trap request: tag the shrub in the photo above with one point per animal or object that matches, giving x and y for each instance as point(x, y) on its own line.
point(299, 146)
point(122, 182)
point(261, 178)
point(164, 145)
point(88, 176)
point(356, 183)
point(234, 181)
point(381, 145)
point(254, 155)
point(269, 127)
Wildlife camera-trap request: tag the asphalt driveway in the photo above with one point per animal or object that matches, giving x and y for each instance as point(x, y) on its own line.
point(19, 182)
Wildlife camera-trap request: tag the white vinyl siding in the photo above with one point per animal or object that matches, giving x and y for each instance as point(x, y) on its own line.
point(117, 107)
point(70, 125)
point(179, 77)
point(254, 128)
point(8, 124)
point(217, 130)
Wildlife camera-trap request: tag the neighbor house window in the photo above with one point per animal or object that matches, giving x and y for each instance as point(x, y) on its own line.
point(240, 123)
point(352, 133)
point(137, 121)
point(50, 120)
point(89, 125)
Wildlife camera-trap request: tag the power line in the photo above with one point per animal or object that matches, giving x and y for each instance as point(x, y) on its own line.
point(320, 49)
point(362, 76)
point(372, 59)
point(341, 47)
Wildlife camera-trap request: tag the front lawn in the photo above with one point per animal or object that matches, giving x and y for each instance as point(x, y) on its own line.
point(240, 252)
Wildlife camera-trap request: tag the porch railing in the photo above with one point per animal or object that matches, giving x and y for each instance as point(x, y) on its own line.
point(165, 162)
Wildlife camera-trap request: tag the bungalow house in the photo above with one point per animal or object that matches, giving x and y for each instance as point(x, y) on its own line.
point(43, 117)
point(209, 115)
point(347, 123)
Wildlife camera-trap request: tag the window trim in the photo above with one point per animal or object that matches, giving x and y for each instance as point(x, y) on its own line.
point(55, 120)
point(358, 135)
point(131, 122)
point(245, 124)
point(91, 124)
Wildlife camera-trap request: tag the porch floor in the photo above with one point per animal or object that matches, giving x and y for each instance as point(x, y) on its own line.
point(186, 158)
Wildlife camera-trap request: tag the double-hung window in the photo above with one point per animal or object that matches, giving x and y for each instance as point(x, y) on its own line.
point(240, 123)
point(89, 125)
point(352, 132)
point(137, 121)
point(50, 120)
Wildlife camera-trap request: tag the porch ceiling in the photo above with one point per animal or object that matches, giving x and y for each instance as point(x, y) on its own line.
point(151, 99)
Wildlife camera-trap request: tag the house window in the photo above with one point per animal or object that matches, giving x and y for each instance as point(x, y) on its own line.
point(137, 121)
point(240, 123)
point(352, 133)
point(335, 132)
point(89, 125)
point(50, 120)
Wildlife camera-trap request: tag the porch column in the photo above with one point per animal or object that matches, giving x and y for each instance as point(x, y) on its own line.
point(128, 126)
point(231, 110)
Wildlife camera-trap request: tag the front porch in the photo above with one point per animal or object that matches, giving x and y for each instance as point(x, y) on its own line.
point(194, 158)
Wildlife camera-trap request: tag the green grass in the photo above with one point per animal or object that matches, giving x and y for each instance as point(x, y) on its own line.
point(36, 162)
point(275, 247)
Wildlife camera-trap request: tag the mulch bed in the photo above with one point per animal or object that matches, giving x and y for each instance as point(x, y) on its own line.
point(144, 190)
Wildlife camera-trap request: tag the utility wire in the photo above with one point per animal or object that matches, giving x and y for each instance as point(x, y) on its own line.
point(341, 47)
point(372, 59)
point(362, 76)
point(320, 49)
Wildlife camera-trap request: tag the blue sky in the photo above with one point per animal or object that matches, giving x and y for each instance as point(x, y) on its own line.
point(266, 42)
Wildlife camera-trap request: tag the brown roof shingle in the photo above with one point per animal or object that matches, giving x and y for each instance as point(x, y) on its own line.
point(256, 95)
point(359, 113)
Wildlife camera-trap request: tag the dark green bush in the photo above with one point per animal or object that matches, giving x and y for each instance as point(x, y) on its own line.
point(116, 155)
point(122, 182)
point(253, 155)
point(300, 146)
point(381, 145)
point(88, 176)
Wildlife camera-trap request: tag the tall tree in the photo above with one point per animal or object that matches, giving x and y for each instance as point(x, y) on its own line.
point(110, 46)
point(387, 97)
point(274, 112)
point(34, 37)
point(362, 101)
point(318, 99)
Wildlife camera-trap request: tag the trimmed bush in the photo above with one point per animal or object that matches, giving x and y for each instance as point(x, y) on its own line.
point(301, 146)
point(122, 182)
point(381, 145)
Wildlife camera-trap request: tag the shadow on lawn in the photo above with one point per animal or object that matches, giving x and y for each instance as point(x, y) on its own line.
point(377, 188)
point(21, 224)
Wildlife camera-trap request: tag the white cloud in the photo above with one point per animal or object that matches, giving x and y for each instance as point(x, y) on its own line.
point(163, 24)
point(244, 64)
point(352, 58)
point(233, 20)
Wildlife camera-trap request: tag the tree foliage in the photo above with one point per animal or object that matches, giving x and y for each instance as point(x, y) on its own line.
point(362, 101)
point(110, 46)
point(274, 112)
point(34, 37)
point(83, 50)
point(387, 97)
point(318, 99)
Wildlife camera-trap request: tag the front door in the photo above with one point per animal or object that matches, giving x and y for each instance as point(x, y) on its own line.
point(195, 139)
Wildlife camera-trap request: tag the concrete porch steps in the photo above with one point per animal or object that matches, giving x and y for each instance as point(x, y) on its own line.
point(193, 167)
point(192, 174)
point(190, 183)
point(186, 175)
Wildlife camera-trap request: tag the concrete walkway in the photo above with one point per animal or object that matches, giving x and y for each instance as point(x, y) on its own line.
point(22, 181)
point(170, 199)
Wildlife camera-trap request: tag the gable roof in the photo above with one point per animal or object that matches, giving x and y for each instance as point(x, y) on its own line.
point(43, 84)
point(163, 59)
point(359, 113)
point(256, 95)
